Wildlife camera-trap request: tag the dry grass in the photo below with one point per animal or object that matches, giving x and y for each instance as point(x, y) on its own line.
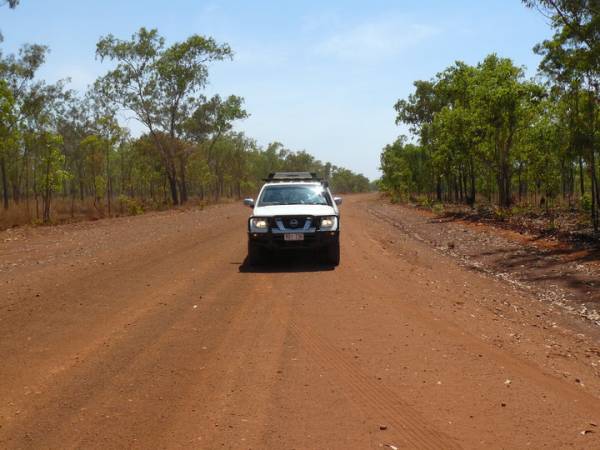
point(62, 211)
point(66, 211)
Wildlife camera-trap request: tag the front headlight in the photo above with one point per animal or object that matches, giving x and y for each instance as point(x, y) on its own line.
point(259, 224)
point(329, 223)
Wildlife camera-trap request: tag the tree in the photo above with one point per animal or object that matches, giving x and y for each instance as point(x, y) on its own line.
point(456, 131)
point(159, 84)
point(7, 135)
point(419, 112)
point(471, 123)
point(105, 125)
point(573, 55)
point(57, 144)
point(503, 102)
point(18, 72)
point(209, 122)
point(401, 164)
point(344, 180)
point(50, 169)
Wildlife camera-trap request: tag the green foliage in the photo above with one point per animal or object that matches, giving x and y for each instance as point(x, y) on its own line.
point(438, 209)
point(586, 202)
point(401, 166)
point(570, 60)
point(51, 163)
point(57, 143)
point(129, 205)
point(7, 117)
point(486, 132)
point(50, 172)
point(159, 84)
point(344, 180)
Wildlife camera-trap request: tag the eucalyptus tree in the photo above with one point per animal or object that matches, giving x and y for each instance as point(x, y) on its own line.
point(573, 54)
point(469, 121)
point(159, 84)
point(503, 100)
point(211, 120)
point(401, 169)
point(456, 130)
point(344, 180)
point(418, 112)
point(55, 142)
point(74, 125)
point(42, 109)
point(18, 73)
point(268, 160)
point(51, 173)
point(104, 124)
point(8, 135)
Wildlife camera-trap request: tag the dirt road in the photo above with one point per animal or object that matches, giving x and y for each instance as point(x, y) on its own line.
point(150, 332)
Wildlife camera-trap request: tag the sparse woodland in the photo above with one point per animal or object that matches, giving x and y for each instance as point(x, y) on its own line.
point(487, 135)
point(65, 155)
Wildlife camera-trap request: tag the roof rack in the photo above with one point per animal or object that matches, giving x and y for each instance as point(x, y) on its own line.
point(293, 176)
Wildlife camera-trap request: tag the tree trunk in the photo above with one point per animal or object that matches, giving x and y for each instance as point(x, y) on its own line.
point(183, 188)
point(472, 193)
point(46, 196)
point(4, 183)
point(27, 168)
point(595, 190)
point(173, 189)
point(108, 180)
point(504, 187)
point(16, 192)
point(73, 197)
point(520, 179)
point(594, 211)
point(169, 164)
point(581, 179)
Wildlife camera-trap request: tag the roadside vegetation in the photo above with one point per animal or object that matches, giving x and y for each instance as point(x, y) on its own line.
point(487, 137)
point(65, 155)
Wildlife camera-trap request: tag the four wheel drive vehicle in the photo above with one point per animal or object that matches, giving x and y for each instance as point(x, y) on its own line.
point(294, 210)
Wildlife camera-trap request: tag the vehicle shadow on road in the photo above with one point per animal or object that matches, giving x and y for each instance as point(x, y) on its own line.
point(289, 261)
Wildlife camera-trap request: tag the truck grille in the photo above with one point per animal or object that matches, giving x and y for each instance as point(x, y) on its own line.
point(294, 222)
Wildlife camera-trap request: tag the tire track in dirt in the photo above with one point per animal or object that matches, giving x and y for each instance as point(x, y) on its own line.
point(519, 365)
point(285, 356)
point(131, 317)
point(412, 429)
point(114, 301)
point(86, 386)
point(235, 412)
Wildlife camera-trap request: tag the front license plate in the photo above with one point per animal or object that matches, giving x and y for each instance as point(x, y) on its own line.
point(293, 237)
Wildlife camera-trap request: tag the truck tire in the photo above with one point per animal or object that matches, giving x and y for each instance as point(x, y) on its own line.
point(333, 253)
point(256, 254)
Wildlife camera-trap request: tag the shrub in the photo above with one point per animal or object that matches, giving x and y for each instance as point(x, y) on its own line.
point(586, 202)
point(130, 205)
point(438, 209)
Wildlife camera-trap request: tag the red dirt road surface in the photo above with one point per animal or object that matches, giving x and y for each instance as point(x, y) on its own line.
point(150, 332)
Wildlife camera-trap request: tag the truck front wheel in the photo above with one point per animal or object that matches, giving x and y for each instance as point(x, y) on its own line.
point(255, 254)
point(333, 253)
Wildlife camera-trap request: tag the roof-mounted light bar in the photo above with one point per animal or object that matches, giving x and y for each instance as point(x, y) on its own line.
point(293, 176)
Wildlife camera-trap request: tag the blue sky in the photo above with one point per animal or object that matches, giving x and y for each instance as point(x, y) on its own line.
point(322, 76)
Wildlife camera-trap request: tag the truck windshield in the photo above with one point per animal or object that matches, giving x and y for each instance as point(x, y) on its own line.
point(294, 195)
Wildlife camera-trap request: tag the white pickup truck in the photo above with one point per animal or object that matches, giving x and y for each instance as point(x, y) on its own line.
point(294, 210)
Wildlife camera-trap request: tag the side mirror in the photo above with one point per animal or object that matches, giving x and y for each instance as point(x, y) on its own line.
point(249, 202)
point(337, 200)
